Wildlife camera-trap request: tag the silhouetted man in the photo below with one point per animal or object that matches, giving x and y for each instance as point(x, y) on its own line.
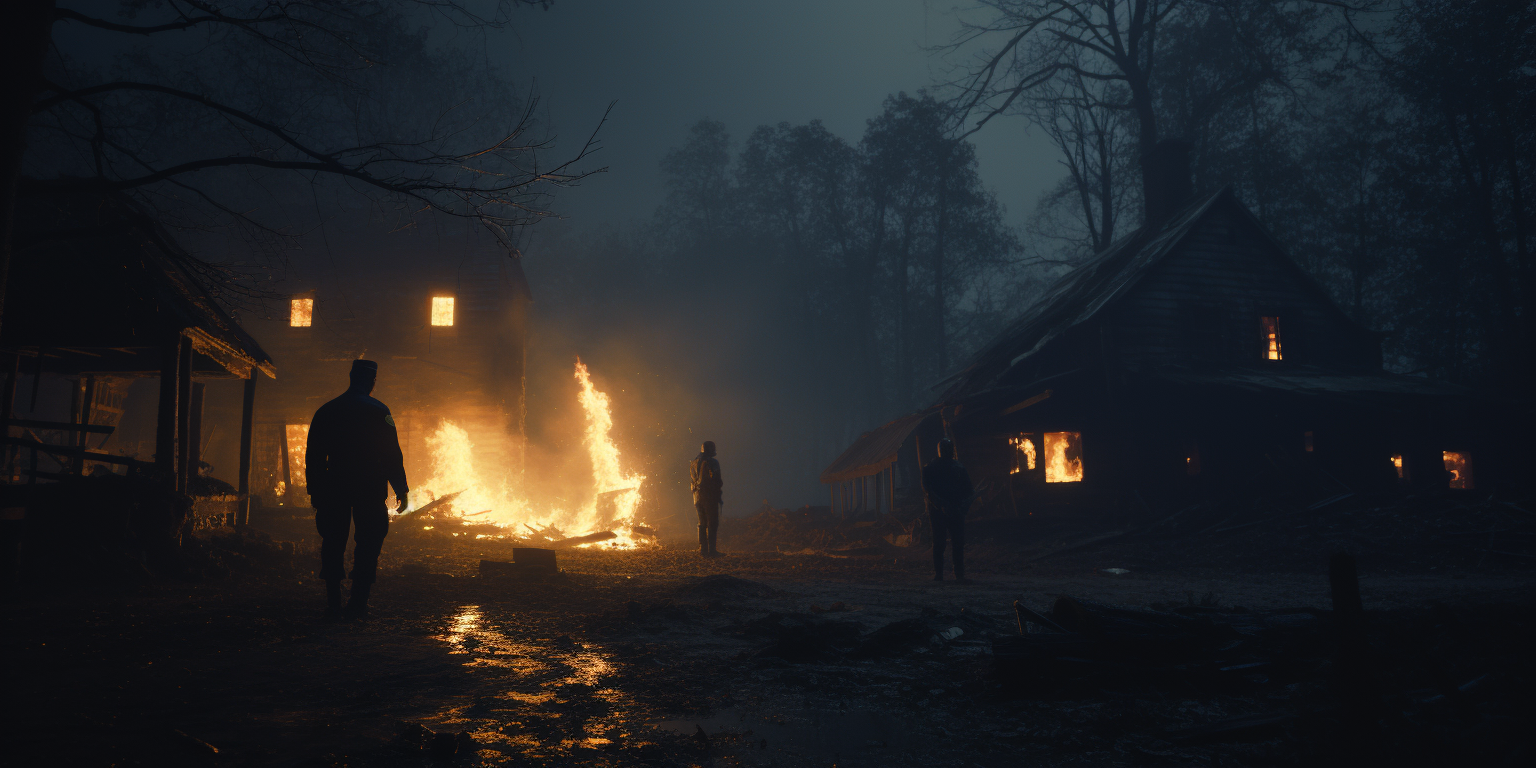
point(704, 478)
point(947, 489)
point(353, 453)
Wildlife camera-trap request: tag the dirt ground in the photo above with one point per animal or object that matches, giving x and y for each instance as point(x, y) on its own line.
point(658, 657)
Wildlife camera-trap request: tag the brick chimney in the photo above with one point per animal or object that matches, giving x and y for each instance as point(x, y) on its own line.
point(1166, 181)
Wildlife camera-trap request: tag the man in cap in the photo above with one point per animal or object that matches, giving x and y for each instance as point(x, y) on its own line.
point(353, 453)
point(704, 478)
point(947, 489)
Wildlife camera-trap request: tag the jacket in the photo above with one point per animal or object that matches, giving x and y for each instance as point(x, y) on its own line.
point(704, 479)
point(353, 451)
point(947, 486)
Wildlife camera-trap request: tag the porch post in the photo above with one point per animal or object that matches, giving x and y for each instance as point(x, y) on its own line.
point(165, 416)
point(183, 412)
point(247, 410)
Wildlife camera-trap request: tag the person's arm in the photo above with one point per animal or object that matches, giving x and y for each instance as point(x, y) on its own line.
point(396, 459)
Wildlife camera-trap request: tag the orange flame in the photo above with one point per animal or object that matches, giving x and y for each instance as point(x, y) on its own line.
point(480, 499)
point(1063, 457)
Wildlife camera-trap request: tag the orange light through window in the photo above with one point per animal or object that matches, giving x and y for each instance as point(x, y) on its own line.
point(1063, 457)
point(301, 313)
point(1023, 453)
point(1459, 467)
point(442, 310)
point(298, 442)
point(1271, 329)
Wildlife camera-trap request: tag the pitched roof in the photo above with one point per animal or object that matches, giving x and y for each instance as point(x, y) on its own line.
point(874, 450)
point(1084, 292)
point(95, 271)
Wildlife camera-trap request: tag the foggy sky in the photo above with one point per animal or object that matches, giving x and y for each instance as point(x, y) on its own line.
point(743, 63)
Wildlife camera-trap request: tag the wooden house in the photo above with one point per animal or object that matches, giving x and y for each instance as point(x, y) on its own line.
point(445, 316)
point(1191, 354)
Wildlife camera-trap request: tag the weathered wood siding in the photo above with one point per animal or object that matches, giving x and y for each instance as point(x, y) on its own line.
point(1202, 306)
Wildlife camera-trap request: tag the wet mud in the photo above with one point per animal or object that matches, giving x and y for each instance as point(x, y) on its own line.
point(636, 658)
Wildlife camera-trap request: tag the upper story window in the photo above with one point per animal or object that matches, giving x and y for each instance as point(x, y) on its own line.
point(1270, 328)
point(301, 313)
point(442, 310)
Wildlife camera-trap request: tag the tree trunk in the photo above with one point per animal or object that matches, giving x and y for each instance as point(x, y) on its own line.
point(24, 38)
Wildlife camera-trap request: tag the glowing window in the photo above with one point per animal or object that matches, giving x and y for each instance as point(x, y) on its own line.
point(298, 441)
point(1459, 467)
point(1063, 457)
point(442, 310)
point(1270, 326)
point(301, 313)
point(1023, 453)
point(1397, 464)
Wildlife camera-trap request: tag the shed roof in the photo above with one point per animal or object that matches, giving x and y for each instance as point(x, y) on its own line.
point(874, 450)
point(95, 277)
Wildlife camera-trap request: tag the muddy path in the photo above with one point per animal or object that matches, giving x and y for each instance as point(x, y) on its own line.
point(641, 658)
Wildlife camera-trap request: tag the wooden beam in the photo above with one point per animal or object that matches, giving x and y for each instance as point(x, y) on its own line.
point(247, 411)
point(69, 451)
point(95, 429)
point(7, 412)
point(165, 415)
point(195, 430)
point(183, 413)
point(1027, 403)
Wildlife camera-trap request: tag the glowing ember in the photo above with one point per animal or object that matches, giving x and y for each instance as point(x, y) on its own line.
point(1063, 457)
point(483, 494)
point(301, 313)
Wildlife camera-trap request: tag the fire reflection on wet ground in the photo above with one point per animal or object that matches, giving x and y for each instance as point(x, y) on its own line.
point(561, 699)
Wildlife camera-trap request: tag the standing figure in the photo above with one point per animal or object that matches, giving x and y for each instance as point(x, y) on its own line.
point(947, 489)
point(704, 478)
point(353, 453)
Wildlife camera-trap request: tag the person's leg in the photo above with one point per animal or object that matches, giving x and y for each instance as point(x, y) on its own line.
point(333, 522)
point(714, 527)
point(703, 508)
point(371, 522)
point(936, 519)
point(957, 535)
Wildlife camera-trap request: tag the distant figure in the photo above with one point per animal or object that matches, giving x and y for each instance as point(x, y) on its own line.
point(353, 453)
point(704, 478)
point(947, 488)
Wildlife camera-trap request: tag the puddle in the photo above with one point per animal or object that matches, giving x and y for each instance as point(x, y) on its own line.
point(563, 697)
point(807, 733)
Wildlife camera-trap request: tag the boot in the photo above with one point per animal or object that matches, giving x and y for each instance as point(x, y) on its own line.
point(357, 604)
point(703, 542)
point(332, 599)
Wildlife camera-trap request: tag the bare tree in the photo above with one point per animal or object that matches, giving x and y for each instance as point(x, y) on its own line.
point(89, 132)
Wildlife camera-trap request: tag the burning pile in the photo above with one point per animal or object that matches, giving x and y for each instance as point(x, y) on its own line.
point(459, 494)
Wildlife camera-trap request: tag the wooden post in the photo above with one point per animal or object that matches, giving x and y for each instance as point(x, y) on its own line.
point(832, 496)
point(183, 413)
point(8, 412)
point(165, 418)
point(247, 410)
point(892, 484)
point(73, 439)
point(87, 402)
point(195, 431)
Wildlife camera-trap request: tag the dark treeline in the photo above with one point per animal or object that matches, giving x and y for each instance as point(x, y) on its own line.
point(807, 286)
point(1388, 145)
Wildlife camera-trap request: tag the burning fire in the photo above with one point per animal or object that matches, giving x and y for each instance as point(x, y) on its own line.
point(1063, 457)
point(1023, 453)
point(476, 498)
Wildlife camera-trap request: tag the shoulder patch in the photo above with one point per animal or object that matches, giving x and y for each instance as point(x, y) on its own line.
point(388, 419)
